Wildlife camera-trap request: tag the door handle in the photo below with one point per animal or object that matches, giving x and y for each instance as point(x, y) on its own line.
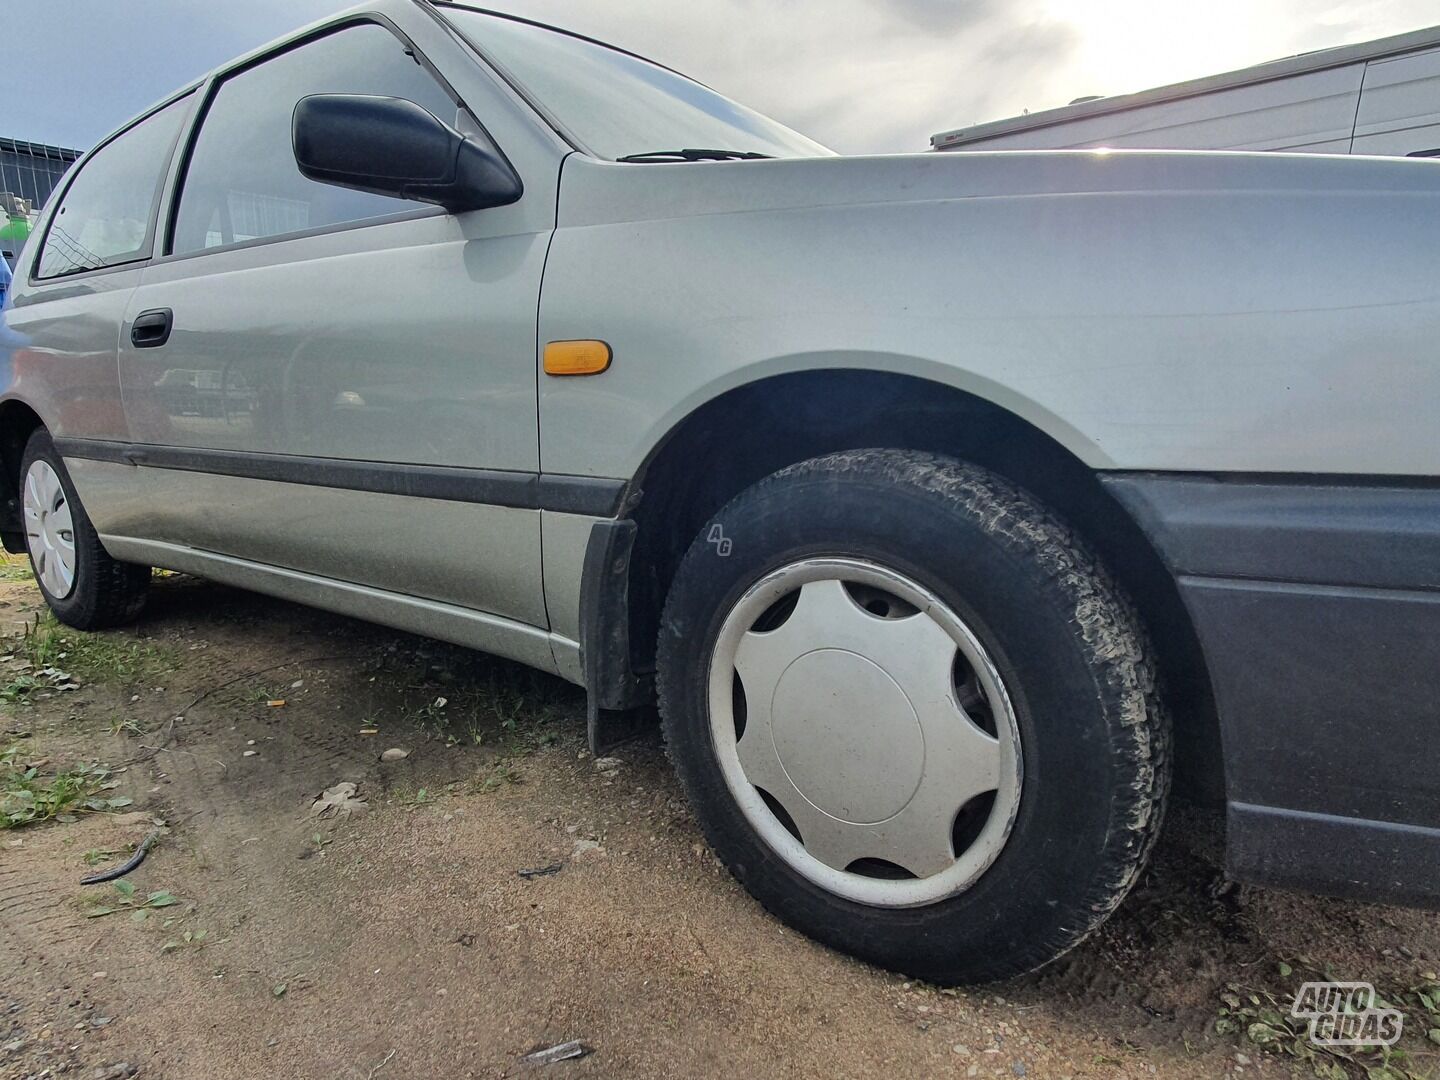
point(151, 329)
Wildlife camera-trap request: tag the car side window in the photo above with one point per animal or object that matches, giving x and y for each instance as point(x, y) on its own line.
point(242, 182)
point(104, 216)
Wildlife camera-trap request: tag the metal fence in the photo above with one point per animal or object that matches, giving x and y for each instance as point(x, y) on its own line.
point(30, 171)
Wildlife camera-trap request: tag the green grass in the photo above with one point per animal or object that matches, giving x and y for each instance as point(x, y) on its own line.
point(27, 798)
point(465, 699)
point(501, 774)
point(507, 710)
point(15, 567)
point(112, 657)
point(1259, 1018)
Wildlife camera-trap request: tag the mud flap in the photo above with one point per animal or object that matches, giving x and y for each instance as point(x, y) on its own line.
point(620, 703)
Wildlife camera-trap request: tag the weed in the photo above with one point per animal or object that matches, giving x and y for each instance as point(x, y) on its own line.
point(195, 938)
point(1258, 1018)
point(127, 899)
point(49, 646)
point(20, 687)
point(15, 567)
point(128, 725)
point(500, 774)
point(478, 702)
point(27, 798)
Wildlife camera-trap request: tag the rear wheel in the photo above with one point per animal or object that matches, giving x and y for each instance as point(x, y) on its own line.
point(915, 717)
point(83, 585)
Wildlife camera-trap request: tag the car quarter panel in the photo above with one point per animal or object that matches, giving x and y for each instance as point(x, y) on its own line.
point(1165, 311)
point(57, 349)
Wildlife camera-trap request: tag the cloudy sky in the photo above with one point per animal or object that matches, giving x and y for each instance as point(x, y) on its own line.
point(863, 76)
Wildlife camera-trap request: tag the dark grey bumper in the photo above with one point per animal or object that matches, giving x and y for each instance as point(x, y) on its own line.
point(1317, 605)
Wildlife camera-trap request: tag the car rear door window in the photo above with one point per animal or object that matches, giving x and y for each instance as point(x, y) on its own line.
point(242, 182)
point(104, 216)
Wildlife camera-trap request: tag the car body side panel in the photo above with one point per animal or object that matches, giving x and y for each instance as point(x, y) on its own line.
point(1162, 311)
point(448, 622)
point(407, 343)
point(565, 539)
point(57, 346)
point(463, 553)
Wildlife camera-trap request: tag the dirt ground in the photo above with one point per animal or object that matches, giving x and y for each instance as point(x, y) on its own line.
point(403, 941)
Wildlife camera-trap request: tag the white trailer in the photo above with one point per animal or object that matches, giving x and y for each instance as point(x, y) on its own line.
point(1377, 97)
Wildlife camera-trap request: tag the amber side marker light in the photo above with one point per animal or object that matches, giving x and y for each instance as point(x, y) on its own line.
point(576, 357)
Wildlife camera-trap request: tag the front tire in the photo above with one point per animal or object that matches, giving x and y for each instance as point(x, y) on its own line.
point(83, 585)
point(913, 714)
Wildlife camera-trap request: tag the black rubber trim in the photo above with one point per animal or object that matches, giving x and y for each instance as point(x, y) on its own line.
point(1357, 858)
point(585, 495)
point(618, 699)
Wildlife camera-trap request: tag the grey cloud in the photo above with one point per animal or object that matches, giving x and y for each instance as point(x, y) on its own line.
point(940, 16)
point(864, 76)
point(1012, 63)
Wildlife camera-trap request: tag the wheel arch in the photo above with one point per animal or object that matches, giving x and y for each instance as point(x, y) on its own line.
point(18, 421)
point(738, 437)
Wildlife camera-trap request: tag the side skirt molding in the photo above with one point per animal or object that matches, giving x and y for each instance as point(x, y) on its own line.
point(461, 626)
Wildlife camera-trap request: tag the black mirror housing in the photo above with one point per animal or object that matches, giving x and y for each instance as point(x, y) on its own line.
point(390, 146)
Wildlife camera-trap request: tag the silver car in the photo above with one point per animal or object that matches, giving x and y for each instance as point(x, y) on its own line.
point(947, 505)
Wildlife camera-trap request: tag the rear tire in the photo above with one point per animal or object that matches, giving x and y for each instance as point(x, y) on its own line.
point(947, 544)
point(83, 585)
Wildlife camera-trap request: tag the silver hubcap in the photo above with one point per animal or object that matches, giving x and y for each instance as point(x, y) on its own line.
point(864, 732)
point(49, 530)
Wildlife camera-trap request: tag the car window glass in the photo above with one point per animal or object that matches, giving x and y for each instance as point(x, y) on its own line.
point(104, 217)
point(242, 182)
point(618, 104)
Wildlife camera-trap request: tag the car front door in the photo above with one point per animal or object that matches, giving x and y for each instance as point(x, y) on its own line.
point(336, 382)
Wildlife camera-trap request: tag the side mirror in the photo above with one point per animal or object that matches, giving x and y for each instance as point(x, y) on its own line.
point(390, 146)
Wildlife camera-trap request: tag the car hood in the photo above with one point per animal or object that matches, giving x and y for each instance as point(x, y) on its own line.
point(598, 192)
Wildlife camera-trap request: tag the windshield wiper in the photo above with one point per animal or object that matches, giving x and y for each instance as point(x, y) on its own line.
point(694, 155)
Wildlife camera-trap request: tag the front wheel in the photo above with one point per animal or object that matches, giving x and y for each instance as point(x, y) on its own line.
point(81, 583)
point(914, 716)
